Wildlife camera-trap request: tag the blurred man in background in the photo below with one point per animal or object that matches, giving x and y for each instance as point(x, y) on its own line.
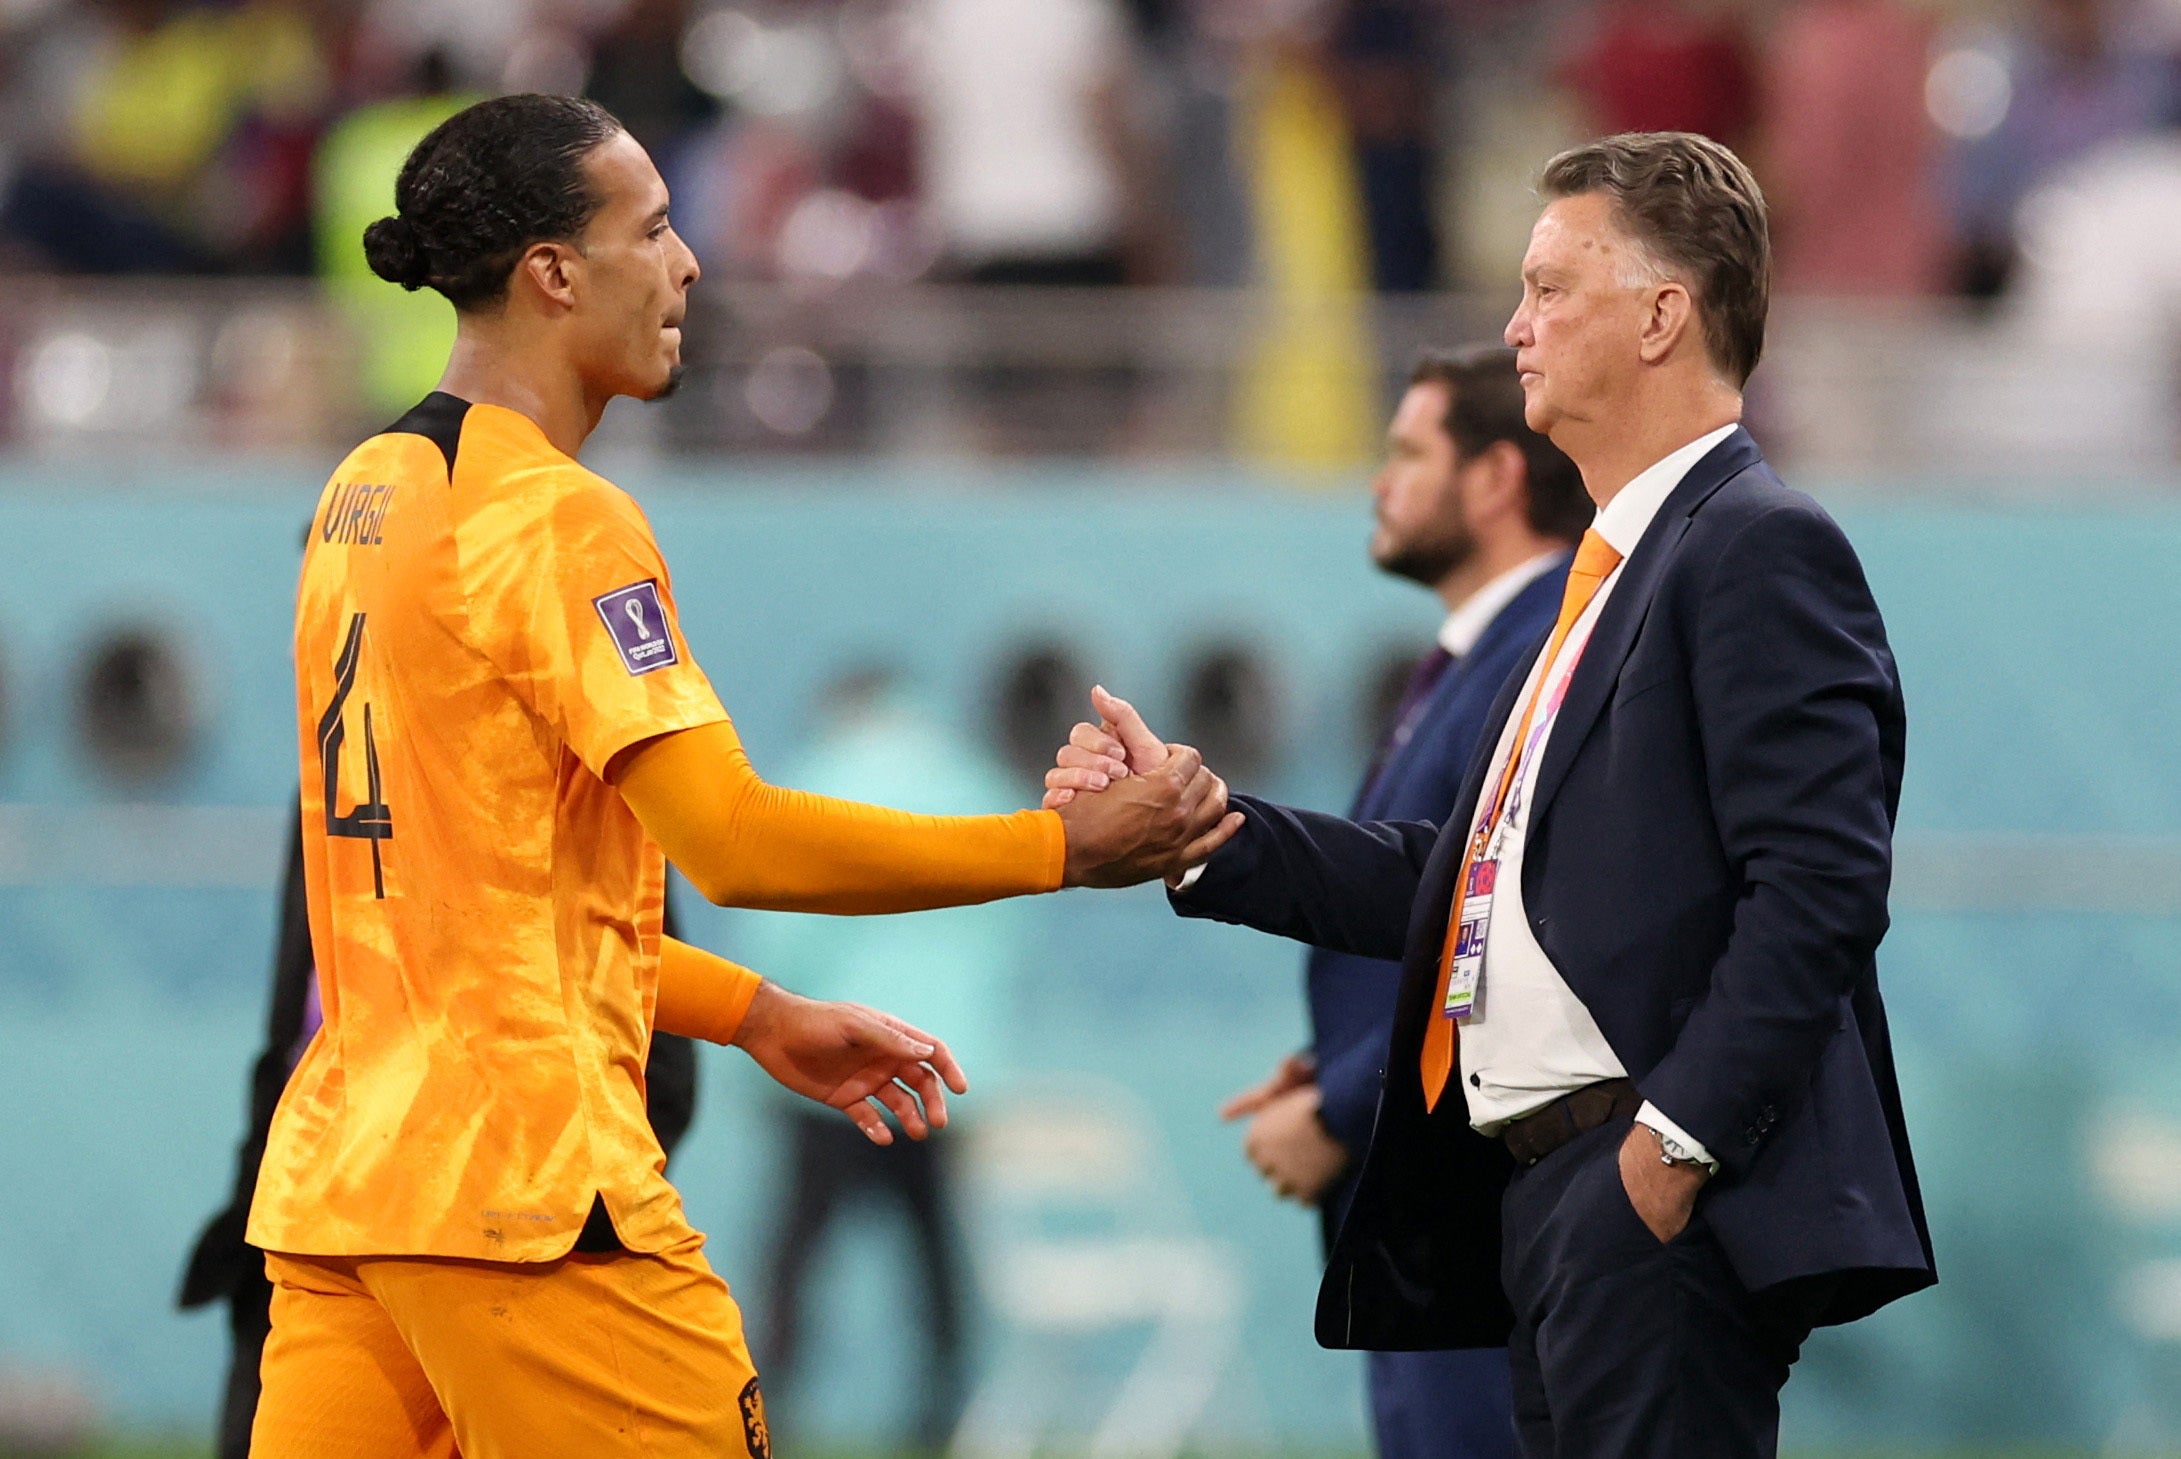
point(1035, 165)
point(1663, 65)
point(1851, 150)
point(1482, 510)
point(1385, 57)
point(169, 138)
point(402, 339)
point(2076, 81)
point(952, 969)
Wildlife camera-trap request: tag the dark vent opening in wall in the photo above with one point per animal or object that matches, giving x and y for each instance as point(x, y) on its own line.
point(1231, 709)
point(1040, 694)
point(136, 715)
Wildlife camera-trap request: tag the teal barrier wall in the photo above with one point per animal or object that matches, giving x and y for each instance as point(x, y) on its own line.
point(2034, 969)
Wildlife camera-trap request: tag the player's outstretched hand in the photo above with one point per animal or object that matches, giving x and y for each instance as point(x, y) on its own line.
point(852, 1058)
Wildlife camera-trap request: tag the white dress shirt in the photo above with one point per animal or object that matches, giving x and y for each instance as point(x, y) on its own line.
point(1530, 1039)
point(1466, 624)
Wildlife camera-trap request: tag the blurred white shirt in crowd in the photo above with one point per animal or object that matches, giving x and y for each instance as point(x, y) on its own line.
point(2097, 241)
point(2097, 296)
point(1012, 160)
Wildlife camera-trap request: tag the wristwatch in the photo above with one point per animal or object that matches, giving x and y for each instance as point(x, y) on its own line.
point(1673, 1152)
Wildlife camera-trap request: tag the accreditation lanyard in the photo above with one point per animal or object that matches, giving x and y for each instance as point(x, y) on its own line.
point(1488, 844)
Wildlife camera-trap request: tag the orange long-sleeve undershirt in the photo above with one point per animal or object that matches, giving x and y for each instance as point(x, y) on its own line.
point(701, 995)
point(743, 843)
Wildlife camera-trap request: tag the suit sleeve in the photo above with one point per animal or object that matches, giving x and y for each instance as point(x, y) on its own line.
point(1795, 688)
point(1348, 1091)
point(1343, 885)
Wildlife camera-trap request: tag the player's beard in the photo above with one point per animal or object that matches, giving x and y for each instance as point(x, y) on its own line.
point(1427, 559)
point(673, 383)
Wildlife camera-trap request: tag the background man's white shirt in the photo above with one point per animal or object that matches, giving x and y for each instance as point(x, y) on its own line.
point(1466, 624)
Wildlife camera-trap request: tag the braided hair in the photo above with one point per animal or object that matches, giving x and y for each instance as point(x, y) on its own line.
point(483, 186)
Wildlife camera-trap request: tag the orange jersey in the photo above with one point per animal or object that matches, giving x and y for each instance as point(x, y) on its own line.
point(482, 624)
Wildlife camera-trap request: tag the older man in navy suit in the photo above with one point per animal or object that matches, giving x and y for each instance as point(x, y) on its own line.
point(1473, 504)
point(1640, 1121)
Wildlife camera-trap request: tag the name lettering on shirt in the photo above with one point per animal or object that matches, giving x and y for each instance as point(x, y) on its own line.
point(355, 514)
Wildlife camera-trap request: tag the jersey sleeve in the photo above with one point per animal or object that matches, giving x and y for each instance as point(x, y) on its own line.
point(569, 597)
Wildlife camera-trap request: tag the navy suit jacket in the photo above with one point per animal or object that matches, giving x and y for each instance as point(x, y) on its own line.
point(1352, 997)
point(1708, 855)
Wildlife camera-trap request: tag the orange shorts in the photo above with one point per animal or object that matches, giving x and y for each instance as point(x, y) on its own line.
point(587, 1357)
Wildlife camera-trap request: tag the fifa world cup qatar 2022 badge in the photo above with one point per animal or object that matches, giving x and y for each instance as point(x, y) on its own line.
point(637, 623)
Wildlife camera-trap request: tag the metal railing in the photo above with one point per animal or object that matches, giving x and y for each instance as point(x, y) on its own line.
point(1849, 390)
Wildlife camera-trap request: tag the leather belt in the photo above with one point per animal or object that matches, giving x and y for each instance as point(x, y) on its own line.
point(1535, 1136)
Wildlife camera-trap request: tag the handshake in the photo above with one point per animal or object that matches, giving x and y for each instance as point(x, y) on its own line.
point(1135, 808)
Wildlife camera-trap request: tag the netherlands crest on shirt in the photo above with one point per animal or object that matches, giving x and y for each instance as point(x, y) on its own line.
point(637, 623)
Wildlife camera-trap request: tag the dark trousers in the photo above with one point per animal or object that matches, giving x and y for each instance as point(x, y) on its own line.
point(1626, 1347)
point(1445, 1405)
point(249, 1320)
point(831, 1164)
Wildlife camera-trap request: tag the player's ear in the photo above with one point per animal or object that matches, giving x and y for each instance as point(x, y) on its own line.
point(550, 268)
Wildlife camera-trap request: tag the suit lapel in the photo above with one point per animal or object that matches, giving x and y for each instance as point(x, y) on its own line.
point(1510, 622)
point(1622, 617)
point(1435, 889)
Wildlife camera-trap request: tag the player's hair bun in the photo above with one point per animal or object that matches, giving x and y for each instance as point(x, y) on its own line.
point(396, 253)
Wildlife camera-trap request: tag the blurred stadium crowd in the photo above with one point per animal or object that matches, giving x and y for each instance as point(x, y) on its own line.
point(1939, 170)
point(1084, 142)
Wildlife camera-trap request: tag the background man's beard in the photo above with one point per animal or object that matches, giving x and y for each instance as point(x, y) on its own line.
point(1428, 562)
point(673, 383)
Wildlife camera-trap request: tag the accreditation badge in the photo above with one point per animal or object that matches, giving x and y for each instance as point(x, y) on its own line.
point(1467, 968)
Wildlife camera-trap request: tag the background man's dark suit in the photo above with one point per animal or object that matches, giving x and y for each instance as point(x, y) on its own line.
point(224, 1266)
point(1708, 855)
point(1435, 1404)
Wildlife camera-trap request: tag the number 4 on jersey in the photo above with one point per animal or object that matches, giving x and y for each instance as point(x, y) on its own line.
point(370, 820)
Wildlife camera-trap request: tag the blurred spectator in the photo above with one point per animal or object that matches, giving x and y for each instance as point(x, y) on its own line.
point(1851, 151)
point(487, 45)
point(1035, 167)
point(180, 142)
point(1189, 69)
point(1383, 56)
point(402, 339)
point(1664, 66)
point(947, 971)
point(1306, 391)
point(807, 169)
point(636, 73)
point(2096, 301)
point(2098, 257)
point(2070, 86)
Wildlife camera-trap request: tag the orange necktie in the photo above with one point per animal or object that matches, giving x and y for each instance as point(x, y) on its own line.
point(1595, 560)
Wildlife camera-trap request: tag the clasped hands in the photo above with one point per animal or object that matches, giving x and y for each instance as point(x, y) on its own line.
point(1285, 1140)
point(1136, 809)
